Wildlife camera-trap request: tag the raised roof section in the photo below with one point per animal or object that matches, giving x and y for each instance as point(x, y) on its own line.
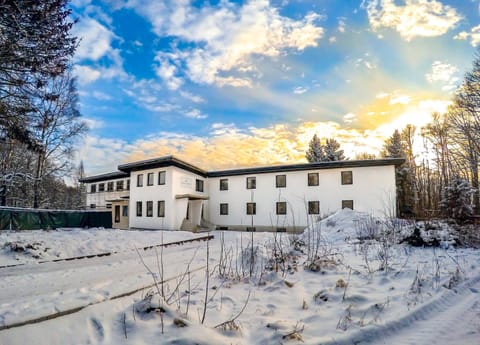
point(161, 162)
point(104, 177)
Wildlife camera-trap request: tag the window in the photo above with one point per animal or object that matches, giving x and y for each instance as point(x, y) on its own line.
point(251, 229)
point(119, 185)
point(117, 214)
point(347, 177)
point(251, 182)
point(347, 204)
point(125, 211)
point(93, 188)
point(150, 179)
point(224, 184)
point(281, 181)
point(281, 230)
point(314, 207)
point(281, 207)
point(128, 184)
point(139, 208)
point(110, 186)
point(108, 205)
point(140, 180)
point(93, 206)
point(223, 209)
point(161, 208)
point(251, 208)
point(149, 208)
point(313, 179)
point(199, 185)
point(101, 187)
point(161, 177)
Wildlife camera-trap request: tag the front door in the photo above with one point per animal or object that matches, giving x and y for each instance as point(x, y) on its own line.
point(117, 214)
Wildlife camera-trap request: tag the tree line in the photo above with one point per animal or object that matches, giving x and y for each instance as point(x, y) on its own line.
point(40, 121)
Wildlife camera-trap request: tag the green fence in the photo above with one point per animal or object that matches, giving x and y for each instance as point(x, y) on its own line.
point(29, 219)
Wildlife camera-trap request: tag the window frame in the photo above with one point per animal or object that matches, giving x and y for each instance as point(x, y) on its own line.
point(251, 208)
point(149, 208)
point(161, 207)
point(101, 187)
point(279, 205)
point(346, 177)
point(93, 188)
point(128, 184)
point(139, 209)
point(223, 184)
point(162, 177)
point(280, 185)
point(140, 180)
point(199, 185)
point(150, 177)
point(110, 186)
point(124, 210)
point(316, 180)
point(224, 209)
point(344, 204)
point(119, 185)
point(315, 210)
point(251, 182)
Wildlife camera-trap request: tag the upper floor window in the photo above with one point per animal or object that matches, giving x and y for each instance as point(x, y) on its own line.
point(313, 179)
point(128, 184)
point(199, 185)
point(281, 207)
point(281, 181)
point(347, 204)
point(139, 180)
point(150, 179)
point(110, 186)
point(120, 185)
point(149, 208)
point(139, 208)
point(347, 177)
point(101, 187)
point(93, 188)
point(251, 182)
point(162, 177)
point(251, 208)
point(313, 207)
point(224, 184)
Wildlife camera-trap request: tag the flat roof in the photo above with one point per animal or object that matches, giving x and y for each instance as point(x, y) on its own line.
point(161, 162)
point(104, 177)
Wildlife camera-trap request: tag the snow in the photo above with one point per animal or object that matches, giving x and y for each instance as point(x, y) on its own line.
point(354, 295)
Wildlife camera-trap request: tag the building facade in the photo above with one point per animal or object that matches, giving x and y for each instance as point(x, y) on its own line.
point(168, 193)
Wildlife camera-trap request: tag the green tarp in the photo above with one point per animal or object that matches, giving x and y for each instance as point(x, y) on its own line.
point(29, 219)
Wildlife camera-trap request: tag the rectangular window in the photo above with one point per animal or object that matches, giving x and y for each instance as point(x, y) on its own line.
point(314, 207)
point(251, 208)
point(347, 177)
point(149, 208)
point(313, 179)
point(251, 229)
point(110, 186)
point(281, 181)
point(119, 185)
point(140, 180)
point(199, 185)
point(101, 187)
point(128, 184)
point(281, 230)
point(125, 211)
point(162, 177)
point(93, 206)
point(251, 182)
point(117, 213)
point(347, 204)
point(139, 208)
point(223, 209)
point(93, 188)
point(108, 205)
point(281, 207)
point(161, 208)
point(150, 179)
point(224, 184)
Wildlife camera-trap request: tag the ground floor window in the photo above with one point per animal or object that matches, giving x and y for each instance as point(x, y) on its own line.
point(139, 208)
point(251, 208)
point(223, 209)
point(281, 207)
point(161, 208)
point(347, 204)
point(314, 207)
point(125, 211)
point(149, 208)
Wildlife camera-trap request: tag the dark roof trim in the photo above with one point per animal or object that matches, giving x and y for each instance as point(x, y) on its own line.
point(104, 177)
point(160, 163)
point(308, 166)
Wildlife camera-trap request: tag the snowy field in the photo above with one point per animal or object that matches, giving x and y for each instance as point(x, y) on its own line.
point(346, 280)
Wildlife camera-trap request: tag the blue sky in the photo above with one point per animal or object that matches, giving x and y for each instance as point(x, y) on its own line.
point(238, 83)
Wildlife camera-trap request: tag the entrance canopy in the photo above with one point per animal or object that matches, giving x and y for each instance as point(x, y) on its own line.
point(191, 197)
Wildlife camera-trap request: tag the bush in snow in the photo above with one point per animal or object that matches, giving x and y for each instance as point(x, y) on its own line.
point(457, 200)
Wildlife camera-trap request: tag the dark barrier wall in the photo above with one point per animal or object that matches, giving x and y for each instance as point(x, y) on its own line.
point(29, 219)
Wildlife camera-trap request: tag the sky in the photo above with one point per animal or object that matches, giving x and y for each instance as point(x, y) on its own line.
point(229, 83)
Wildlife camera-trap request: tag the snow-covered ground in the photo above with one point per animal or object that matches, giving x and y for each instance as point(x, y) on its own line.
point(322, 287)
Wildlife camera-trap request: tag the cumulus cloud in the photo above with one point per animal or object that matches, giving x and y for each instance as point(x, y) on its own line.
point(415, 18)
point(445, 74)
point(473, 36)
point(224, 39)
point(299, 90)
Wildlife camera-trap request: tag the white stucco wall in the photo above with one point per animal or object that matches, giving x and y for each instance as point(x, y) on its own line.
point(373, 190)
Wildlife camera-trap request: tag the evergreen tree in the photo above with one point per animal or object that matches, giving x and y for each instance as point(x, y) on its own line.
point(315, 151)
point(332, 151)
point(457, 201)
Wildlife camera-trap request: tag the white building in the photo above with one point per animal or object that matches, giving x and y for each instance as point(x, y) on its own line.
point(168, 193)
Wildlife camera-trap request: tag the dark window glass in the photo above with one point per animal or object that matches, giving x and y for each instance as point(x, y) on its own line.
point(281, 207)
point(224, 184)
point(314, 207)
point(199, 185)
point(139, 208)
point(251, 208)
point(140, 180)
point(223, 209)
point(101, 187)
point(161, 177)
point(119, 185)
point(125, 211)
point(347, 177)
point(93, 206)
point(93, 188)
point(150, 179)
point(347, 204)
point(161, 208)
point(128, 184)
point(149, 208)
point(117, 213)
point(281, 181)
point(110, 186)
point(251, 182)
point(313, 179)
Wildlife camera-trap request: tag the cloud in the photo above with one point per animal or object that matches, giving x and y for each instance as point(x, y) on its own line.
point(101, 96)
point(224, 40)
point(195, 114)
point(349, 118)
point(93, 123)
point(473, 35)
point(443, 73)
point(192, 97)
point(299, 90)
point(416, 18)
point(86, 74)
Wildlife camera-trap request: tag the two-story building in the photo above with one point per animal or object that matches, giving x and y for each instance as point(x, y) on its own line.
point(169, 193)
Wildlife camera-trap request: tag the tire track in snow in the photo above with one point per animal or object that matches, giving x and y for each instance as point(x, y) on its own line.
point(428, 320)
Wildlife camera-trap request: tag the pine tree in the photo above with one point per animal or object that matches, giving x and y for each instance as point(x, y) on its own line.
point(457, 201)
point(332, 151)
point(315, 151)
